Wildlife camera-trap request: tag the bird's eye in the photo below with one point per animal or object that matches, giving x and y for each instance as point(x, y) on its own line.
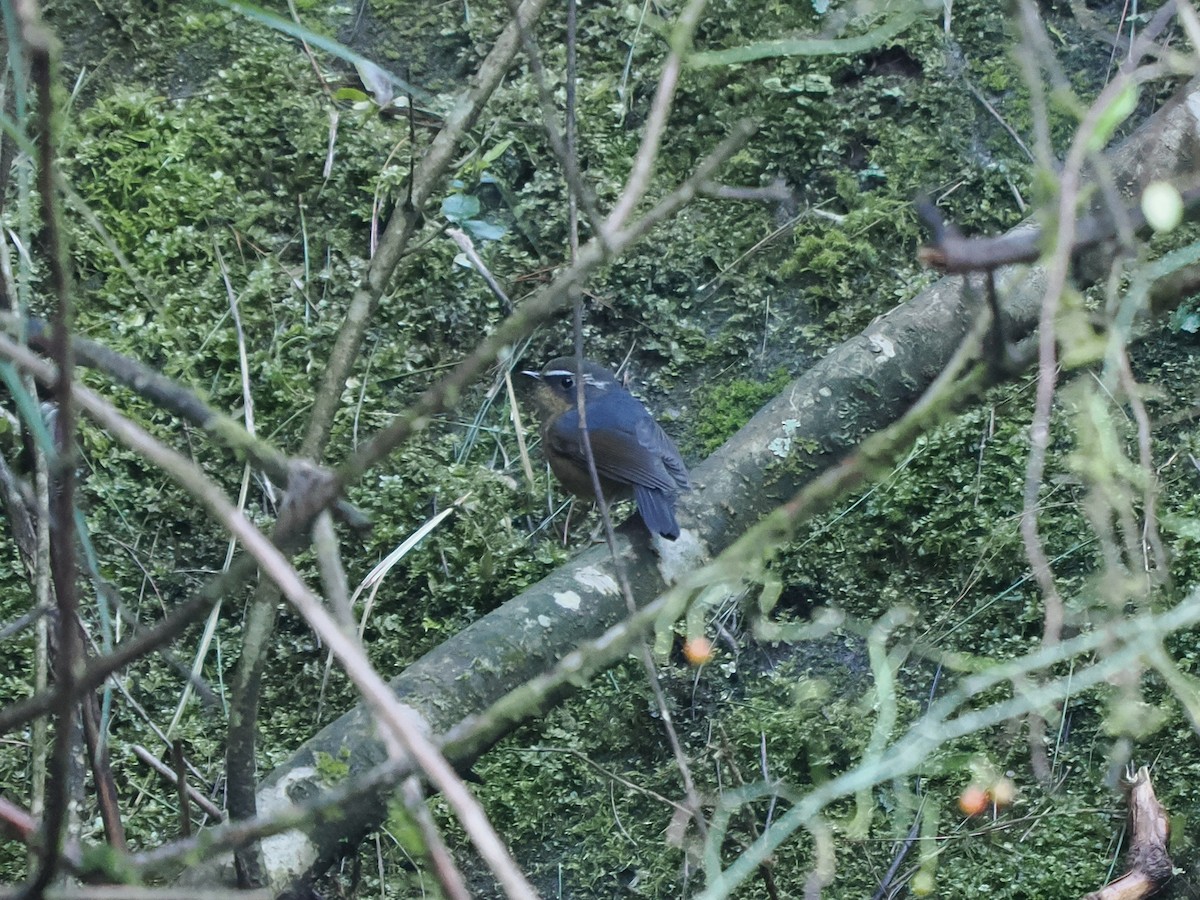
point(568, 382)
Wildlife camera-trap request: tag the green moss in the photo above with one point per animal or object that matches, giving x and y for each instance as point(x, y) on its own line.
point(727, 407)
point(333, 770)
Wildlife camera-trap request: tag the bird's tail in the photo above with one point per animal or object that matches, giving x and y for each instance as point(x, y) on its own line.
point(657, 509)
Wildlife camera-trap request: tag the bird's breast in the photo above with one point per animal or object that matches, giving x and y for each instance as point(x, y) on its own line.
point(564, 451)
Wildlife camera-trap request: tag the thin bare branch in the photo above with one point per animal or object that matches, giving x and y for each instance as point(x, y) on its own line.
point(42, 49)
point(399, 231)
point(171, 777)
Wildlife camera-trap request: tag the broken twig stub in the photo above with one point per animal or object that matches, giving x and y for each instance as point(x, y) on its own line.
point(1150, 866)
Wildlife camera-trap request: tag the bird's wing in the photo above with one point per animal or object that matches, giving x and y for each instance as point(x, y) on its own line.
point(652, 437)
point(629, 447)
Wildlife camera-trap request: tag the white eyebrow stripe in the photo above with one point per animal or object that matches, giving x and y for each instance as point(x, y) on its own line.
point(602, 383)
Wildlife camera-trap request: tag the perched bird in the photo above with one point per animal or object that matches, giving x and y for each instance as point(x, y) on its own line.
point(633, 454)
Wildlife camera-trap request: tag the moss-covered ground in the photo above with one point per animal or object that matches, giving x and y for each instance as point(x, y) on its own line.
point(204, 144)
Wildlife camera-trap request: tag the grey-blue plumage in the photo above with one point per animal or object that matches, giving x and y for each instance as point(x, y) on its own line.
point(633, 454)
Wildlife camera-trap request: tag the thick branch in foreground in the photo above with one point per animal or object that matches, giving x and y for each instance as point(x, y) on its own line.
point(861, 387)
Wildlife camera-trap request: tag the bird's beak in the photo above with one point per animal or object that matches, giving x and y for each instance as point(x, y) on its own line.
point(537, 375)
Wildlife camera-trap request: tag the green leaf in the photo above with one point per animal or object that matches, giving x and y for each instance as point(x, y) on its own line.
point(350, 95)
point(496, 152)
point(1112, 116)
point(460, 207)
point(485, 231)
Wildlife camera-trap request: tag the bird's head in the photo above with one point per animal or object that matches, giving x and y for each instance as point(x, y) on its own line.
point(558, 383)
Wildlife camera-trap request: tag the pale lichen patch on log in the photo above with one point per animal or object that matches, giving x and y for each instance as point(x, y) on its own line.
point(594, 579)
point(568, 600)
point(290, 854)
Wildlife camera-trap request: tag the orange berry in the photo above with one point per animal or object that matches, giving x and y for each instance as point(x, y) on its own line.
point(973, 800)
point(698, 650)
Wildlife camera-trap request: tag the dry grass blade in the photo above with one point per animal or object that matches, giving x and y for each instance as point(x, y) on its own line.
point(519, 430)
point(375, 577)
point(210, 626)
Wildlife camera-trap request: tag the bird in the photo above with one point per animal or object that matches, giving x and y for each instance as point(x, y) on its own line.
point(633, 455)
